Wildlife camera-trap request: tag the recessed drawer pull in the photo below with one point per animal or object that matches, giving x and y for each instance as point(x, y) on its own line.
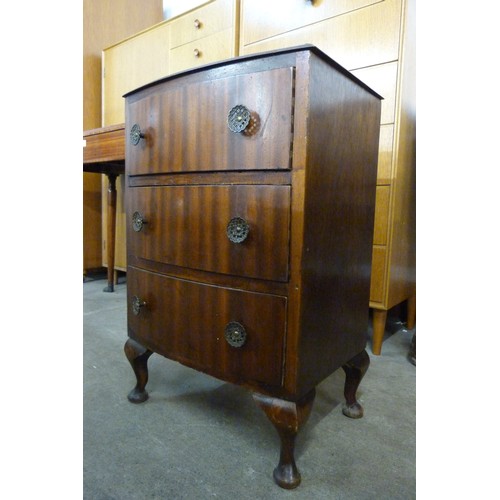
point(237, 230)
point(136, 135)
point(238, 118)
point(137, 304)
point(138, 221)
point(235, 334)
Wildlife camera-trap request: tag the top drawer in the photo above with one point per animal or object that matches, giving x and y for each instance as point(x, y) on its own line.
point(184, 127)
point(263, 18)
point(204, 21)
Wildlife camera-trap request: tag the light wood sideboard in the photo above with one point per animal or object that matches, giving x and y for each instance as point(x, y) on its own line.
point(375, 41)
point(203, 35)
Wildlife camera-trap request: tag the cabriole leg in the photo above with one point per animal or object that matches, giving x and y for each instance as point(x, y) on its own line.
point(287, 417)
point(355, 370)
point(138, 357)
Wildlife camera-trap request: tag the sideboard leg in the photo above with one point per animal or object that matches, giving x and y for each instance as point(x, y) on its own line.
point(355, 370)
point(138, 357)
point(411, 312)
point(379, 321)
point(287, 417)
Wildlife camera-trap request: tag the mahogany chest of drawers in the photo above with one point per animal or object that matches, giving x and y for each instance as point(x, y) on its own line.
point(250, 191)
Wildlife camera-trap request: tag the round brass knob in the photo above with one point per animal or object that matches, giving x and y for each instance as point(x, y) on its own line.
point(238, 118)
point(197, 53)
point(138, 221)
point(136, 135)
point(237, 230)
point(235, 334)
point(137, 304)
point(197, 24)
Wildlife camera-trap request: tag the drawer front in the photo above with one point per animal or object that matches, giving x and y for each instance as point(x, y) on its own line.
point(382, 78)
point(202, 22)
point(385, 151)
point(382, 199)
point(185, 127)
point(361, 38)
point(263, 19)
point(188, 226)
point(210, 49)
point(187, 321)
point(377, 284)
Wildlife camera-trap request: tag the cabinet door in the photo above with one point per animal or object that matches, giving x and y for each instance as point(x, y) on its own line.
point(131, 64)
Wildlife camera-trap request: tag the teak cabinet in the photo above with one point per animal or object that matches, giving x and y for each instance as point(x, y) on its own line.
point(375, 40)
point(250, 193)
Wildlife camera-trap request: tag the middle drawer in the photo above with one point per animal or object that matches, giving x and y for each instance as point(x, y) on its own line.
point(242, 230)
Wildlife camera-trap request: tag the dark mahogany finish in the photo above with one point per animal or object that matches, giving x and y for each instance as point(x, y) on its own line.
point(283, 308)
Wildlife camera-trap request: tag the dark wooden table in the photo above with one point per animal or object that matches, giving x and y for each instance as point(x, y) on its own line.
point(104, 153)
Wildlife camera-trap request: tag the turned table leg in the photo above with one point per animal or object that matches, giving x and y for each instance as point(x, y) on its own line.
point(287, 417)
point(110, 231)
point(355, 370)
point(138, 357)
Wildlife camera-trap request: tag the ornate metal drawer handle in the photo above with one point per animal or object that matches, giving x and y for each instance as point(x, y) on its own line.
point(235, 334)
point(136, 135)
point(137, 304)
point(138, 221)
point(237, 230)
point(238, 118)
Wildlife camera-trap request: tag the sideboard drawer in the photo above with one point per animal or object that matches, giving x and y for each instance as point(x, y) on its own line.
point(184, 127)
point(209, 49)
point(186, 321)
point(263, 18)
point(188, 226)
point(202, 22)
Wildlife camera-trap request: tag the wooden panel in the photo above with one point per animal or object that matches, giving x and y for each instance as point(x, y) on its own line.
point(104, 144)
point(131, 64)
point(377, 285)
point(338, 221)
point(264, 18)
point(381, 215)
point(187, 131)
point(92, 256)
point(360, 38)
point(403, 242)
point(202, 22)
point(385, 152)
point(104, 23)
point(185, 321)
point(209, 49)
point(186, 226)
point(382, 78)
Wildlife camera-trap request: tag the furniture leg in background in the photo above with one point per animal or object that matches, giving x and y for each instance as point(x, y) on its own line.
point(380, 320)
point(104, 153)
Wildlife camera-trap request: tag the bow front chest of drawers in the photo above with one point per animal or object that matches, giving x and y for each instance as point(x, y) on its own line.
point(250, 192)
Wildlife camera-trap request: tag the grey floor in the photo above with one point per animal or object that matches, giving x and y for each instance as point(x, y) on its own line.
point(199, 438)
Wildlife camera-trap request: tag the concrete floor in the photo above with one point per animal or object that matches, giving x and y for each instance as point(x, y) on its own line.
point(199, 438)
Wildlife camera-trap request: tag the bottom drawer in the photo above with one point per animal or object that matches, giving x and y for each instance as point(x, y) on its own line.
point(188, 322)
